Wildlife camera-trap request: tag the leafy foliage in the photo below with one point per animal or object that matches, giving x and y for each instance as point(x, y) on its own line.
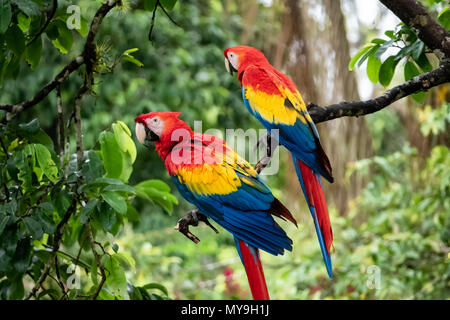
point(39, 192)
point(407, 47)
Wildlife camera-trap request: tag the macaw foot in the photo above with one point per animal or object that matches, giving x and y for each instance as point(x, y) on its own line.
point(270, 143)
point(192, 219)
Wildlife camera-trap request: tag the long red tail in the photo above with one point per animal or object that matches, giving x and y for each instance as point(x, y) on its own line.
point(254, 270)
point(318, 207)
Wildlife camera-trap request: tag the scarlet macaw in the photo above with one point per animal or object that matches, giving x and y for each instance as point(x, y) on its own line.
point(275, 101)
point(223, 186)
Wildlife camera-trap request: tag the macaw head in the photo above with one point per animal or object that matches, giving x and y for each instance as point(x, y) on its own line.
point(240, 57)
point(160, 127)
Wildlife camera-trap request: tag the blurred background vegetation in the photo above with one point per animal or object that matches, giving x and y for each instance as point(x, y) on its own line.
point(389, 206)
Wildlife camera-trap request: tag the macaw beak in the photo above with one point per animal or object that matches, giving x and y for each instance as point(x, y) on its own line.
point(229, 66)
point(145, 135)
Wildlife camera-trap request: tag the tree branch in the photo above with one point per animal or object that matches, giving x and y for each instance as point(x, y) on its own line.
point(424, 81)
point(87, 57)
point(415, 16)
point(98, 262)
point(56, 244)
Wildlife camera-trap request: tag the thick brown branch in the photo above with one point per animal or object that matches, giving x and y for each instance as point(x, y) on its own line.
point(414, 15)
point(87, 57)
point(360, 108)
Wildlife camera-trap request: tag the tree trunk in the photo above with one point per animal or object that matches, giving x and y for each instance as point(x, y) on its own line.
point(315, 55)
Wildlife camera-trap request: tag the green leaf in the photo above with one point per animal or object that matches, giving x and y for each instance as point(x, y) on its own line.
point(378, 41)
point(162, 198)
point(15, 39)
point(5, 16)
point(168, 4)
point(125, 259)
point(25, 161)
point(444, 18)
point(3, 221)
point(112, 161)
point(132, 214)
point(382, 49)
point(83, 30)
point(373, 68)
point(123, 137)
point(34, 228)
point(30, 128)
point(133, 60)
point(115, 247)
point(355, 58)
point(106, 215)
point(417, 48)
point(64, 41)
point(117, 202)
point(387, 70)
point(61, 200)
point(28, 7)
point(419, 96)
point(390, 34)
point(149, 4)
point(87, 210)
point(12, 69)
point(115, 280)
point(21, 258)
point(424, 63)
point(46, 162)
point(131, 50)
point(45, 216)
point(154, 183)
point(92, 167)
point(33, 53)
point(158, 286)
point(16, 289)
point(23, 22)
point(410, 70)
point(120, 187)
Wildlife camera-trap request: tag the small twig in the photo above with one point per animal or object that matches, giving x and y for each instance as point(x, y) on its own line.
point(98, 261)
point(168, 16)
point(47, 22)
point(152, 24)
point(77, 118)
point(61, 131)
point(57, 243)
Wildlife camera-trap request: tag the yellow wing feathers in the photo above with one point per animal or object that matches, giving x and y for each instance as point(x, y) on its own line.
point(216, 178)
point(277, 105)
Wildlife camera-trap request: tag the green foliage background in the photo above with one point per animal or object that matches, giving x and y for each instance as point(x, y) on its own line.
point(398, 228)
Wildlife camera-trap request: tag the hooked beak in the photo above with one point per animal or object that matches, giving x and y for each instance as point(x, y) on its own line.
point(145, 135)
point(229, 66)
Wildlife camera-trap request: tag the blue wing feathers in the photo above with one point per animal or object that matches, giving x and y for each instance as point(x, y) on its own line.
point(244, 214)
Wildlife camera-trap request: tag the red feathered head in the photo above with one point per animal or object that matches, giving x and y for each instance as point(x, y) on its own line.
point(240, 57)
point(162, 128)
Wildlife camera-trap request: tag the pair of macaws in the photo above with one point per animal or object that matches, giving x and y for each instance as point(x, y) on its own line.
point(225, 187)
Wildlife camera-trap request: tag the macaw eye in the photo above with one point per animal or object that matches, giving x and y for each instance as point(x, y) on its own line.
point(155, 120)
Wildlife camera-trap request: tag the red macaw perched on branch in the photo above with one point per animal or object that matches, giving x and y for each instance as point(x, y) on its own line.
point(223, 186)
point(275, 101)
